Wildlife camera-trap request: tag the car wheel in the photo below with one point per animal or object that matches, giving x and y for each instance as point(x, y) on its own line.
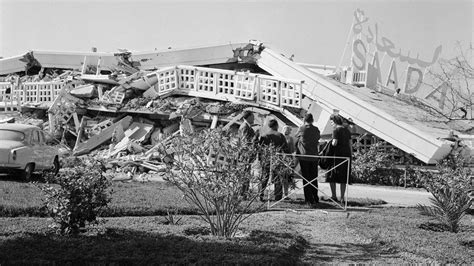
point(28, 172)
point(56, 166)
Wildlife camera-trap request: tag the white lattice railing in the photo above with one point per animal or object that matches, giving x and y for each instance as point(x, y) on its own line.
point(8, 100)
point(230, 84)
point(203, 82)
point(39, 92)
point(29, 92)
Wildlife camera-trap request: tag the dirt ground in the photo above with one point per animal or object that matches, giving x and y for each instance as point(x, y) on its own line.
point(329, 238)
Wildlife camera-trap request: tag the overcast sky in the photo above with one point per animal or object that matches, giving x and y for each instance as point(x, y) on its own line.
point(314, 31)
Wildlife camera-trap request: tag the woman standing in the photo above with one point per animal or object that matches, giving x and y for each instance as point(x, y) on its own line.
point(341, 141)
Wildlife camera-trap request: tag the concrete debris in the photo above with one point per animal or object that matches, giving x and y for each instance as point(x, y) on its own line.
point(32, 65)
point(156, 136)
point(126, 114)
point(120, 117)
point(104, 136)
point(139, 132)
point(84, 91)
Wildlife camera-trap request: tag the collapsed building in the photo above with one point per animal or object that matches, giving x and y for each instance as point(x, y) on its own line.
point(141, 100)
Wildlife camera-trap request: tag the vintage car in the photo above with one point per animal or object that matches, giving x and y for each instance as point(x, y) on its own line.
point(24, 150)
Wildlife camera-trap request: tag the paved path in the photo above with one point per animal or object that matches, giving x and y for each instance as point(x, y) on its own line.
point(394, 196)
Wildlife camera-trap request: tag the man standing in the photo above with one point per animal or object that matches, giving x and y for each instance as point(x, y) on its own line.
point(278, 140)
point(246, 131)
point(307, 142)
point(247, 135)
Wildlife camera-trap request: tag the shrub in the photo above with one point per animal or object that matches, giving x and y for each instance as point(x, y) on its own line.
point(376, 166)
point(76, 196)
point(372, 166)
point(450, 187)
point(211, 168)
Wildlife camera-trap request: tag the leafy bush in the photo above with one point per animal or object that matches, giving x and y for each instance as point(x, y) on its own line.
point(376, 166)
point(211, 168)
point(76, 196)
point(450, 187)
point(372, 166)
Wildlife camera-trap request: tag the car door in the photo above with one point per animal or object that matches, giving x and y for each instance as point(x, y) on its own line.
point(37, 155)
point(49, 151)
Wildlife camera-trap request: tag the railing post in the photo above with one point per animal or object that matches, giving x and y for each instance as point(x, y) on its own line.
point(215, 73)
point(257, 88)
point(176, 78)
point(300, 93)
point(196, 76)
point(37, 93)
point(23, 98)
point(158, 84)
point(278, 93)
point(52, 88)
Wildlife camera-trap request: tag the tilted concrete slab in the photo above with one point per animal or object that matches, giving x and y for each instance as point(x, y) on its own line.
point(217, 54)
point(12, 65)
point(411, 129)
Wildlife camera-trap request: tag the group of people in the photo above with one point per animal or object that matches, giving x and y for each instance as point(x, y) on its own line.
point(305, 145)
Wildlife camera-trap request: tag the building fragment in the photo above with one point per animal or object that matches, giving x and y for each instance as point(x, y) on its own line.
point(202, 87)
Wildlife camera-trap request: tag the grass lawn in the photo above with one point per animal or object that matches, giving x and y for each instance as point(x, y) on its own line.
point(135, 232)
point(143, 240)
point(405, 230)
point(128, 199)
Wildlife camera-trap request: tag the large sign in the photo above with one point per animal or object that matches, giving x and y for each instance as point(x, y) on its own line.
point(414, 72)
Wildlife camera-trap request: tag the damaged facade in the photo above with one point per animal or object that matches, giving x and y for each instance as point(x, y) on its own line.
point(125, 106)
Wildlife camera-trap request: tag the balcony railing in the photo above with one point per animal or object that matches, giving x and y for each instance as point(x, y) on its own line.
point(197, 81)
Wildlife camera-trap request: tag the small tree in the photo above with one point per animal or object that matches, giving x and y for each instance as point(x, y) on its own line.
point(211, 168)
point(77, 195)
point(454, 79)
point(450, 188)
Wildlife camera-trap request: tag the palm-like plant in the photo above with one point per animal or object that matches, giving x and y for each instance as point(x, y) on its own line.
point(451, 187)
point(449, 205)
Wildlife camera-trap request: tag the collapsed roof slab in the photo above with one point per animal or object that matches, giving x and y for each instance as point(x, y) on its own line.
point(218, 54)
point(197, 56)
point(12, 65)
point(404, 126)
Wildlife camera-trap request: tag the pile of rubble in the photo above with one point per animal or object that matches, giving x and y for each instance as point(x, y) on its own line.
point(119, 117)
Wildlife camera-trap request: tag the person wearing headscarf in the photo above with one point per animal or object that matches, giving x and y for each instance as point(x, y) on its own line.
point(342, 144)
point(288, 176)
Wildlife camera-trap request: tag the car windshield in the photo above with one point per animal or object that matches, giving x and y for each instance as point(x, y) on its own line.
point(11, 135)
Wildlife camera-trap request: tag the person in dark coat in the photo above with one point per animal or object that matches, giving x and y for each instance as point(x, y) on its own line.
point(278, 140)
point(246, 131)
point(249, 136)
point(307, 143)
point(342, 144)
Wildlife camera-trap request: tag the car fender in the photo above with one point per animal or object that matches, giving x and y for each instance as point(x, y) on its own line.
point(50, 152)
point(23, 156)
